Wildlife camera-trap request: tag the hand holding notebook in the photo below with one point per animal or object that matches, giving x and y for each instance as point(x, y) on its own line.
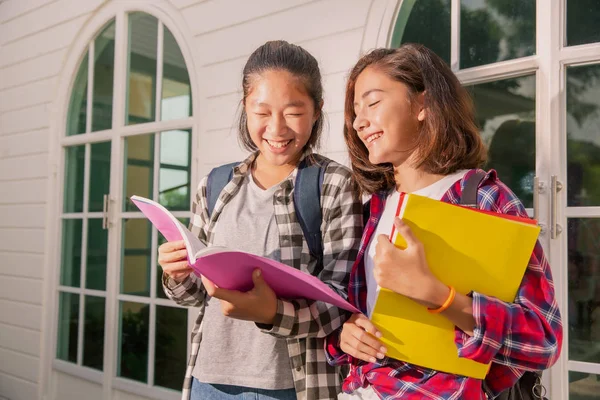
point(468, 249)
point(231, 269)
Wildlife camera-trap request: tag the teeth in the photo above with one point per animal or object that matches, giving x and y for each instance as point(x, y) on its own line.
point(374, 137)
point(278, 145)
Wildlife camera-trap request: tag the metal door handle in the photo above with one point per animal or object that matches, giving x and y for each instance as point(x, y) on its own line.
point(555, 187)
point(105, 203)
point(538, 188)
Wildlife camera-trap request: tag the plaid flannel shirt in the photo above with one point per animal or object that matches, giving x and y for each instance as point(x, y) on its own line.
point(515, 337)
point(304, 323)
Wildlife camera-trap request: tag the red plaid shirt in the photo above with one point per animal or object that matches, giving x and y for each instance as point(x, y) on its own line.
point(519, 336)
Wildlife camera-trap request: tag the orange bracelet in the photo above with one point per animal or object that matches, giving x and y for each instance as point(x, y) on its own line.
point(446, 304)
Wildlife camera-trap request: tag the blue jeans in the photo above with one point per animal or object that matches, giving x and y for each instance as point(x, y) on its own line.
point(208, 391)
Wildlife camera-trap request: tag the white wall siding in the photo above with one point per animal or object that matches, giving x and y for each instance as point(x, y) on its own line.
point(23, 192)
point(34, 38)
point(20, 314)
point(240, 40)
point(31, 70)
point(14, 387)
point(44, 17)
point(30, 94)
point(26, 341)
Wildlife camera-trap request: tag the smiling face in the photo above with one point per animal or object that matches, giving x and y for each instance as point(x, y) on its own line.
point(387, 119)
point(280, 117)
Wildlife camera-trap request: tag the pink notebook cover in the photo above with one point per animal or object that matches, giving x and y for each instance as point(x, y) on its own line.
point(230, 269)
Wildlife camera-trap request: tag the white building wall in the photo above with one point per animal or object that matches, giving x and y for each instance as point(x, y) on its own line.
point(35, 37)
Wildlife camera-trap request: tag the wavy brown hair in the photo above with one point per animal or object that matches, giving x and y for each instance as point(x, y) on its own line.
point(448, 137)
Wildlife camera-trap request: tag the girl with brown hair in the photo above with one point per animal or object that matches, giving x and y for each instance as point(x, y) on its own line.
point(410, 127)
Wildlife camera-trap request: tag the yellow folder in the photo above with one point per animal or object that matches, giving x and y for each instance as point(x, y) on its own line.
point(469, 249)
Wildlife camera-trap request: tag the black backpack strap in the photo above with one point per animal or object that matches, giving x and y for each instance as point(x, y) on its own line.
point(307, 204)
point(468, 198)
point(218, 178)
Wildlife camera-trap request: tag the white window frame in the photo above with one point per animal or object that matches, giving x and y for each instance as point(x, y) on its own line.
point(167, 16)
point(549, 64)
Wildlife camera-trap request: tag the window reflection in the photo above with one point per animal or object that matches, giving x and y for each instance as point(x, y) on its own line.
point(141, 89)
point(175, 171)
point(104, 70)
point(137, 247)
point(133, 356)
point(505, 112)
point(139, 172)
point(176, 90)
point(496, 30)
point(415, 22)
point(582, 22)
point(76, 119)
point(583, 136)
point(584, 289)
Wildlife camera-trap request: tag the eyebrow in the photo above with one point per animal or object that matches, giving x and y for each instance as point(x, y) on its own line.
point(368, 92)
point(298, 103)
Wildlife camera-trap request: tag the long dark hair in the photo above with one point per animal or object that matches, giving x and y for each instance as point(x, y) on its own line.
point(281, 55)
point(448, 137)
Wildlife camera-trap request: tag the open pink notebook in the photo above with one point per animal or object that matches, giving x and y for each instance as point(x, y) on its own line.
point(231, 269)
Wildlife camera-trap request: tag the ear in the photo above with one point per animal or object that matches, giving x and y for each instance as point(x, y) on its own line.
point(421, 106)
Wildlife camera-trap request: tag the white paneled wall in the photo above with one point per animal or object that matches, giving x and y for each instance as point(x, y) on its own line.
point(35, 38)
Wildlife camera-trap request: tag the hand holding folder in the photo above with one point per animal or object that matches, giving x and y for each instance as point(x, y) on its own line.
point(468, 249)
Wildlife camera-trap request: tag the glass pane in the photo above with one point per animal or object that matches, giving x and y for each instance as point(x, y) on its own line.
point(137, 248)
point(505, 112)
point(496, 30)
point(426, 22)
point(99, 175)
point(583, 136)
point(160, 293)
point(139, 173)
point(133, 354)
point(584, 386)
point(68, 326)
point(78, 103)
point(176, 90)
point(582, 22)
point(175, 171)
point(70, 272)
point(141, 88)
point(74, 170)
point(104, 70)
point(93, 332)
point(171, 346)
point(97, 245)
point(584, 289)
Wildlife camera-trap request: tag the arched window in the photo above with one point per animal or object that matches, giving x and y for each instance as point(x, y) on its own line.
point(128, 130)
point(533, 68)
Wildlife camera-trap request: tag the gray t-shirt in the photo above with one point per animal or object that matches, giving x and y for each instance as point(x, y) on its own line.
point(235, 352)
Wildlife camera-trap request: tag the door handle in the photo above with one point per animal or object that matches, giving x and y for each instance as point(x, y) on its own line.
point(539, 187)
point(555, 187)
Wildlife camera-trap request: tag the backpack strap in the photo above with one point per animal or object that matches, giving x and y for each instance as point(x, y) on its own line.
point(218, 178)
point(307, 204)
point(307, 199)
point(468, 198)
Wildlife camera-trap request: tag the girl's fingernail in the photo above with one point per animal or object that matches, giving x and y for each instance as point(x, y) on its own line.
point(378, 334)
point(383, 349)
point(380, 356)
point(372, 359)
